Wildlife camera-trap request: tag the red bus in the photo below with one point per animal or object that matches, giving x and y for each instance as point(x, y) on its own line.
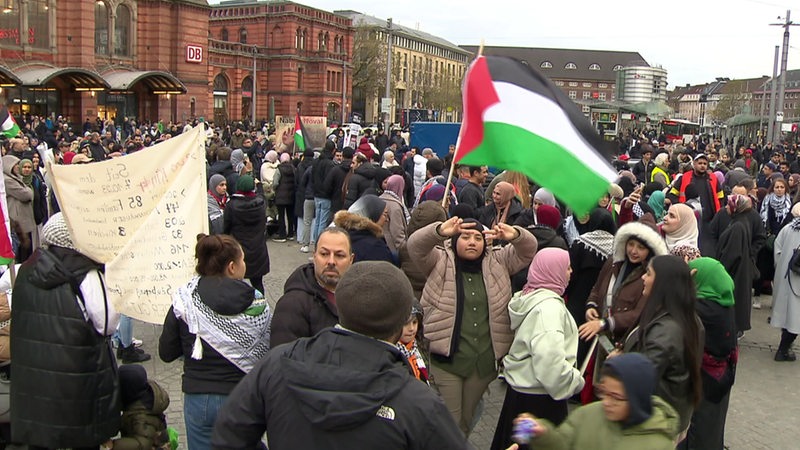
point(679, 130)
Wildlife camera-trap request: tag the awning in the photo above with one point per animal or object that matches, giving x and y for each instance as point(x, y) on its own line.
point(80, 79)
point(157, 82)
point(742, 119)
point(7, 77)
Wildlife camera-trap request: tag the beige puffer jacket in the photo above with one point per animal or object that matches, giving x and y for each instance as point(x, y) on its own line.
point(436, 259)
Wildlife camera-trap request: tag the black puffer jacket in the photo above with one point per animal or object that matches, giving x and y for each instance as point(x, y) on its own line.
point(245, 218)
point(213, 374)
point(334, 182)
point(304, 308)
point(362, 182)
point(336, 390)
point(319, 170)
point(284, 192)
point(65, 378)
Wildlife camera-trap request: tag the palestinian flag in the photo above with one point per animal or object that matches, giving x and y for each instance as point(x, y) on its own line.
point(516, 119)
point(8, 126)
point(6, 250)
point(300, 134)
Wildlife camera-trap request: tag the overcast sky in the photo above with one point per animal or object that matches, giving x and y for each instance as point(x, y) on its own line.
point(695, 40)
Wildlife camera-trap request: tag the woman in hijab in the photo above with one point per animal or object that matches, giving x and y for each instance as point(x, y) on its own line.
point(715, 309)
point(733, 250)
point(217, 198)
point(245, 219)
point(775, 208)
point(543, 197)
point(389, 160)
point(656, 203)
point(598, 219)
point(540, 365)
point(20, 204)
point(268, 171)
point(680, 226)
point(364, 222)
point(394, 228)
point(465, 299)
point(505, 207)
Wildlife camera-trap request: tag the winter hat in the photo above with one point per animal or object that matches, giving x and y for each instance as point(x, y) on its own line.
point(55, 232)
point(740, 164)
point(307, 153)
point(245, 183)
point(382, 174)
point(369, 206)
point(548, 215)
point(545, 197)
point(214, 181)
point(641, 232)
point(374, 298)
point(712, 281)
point(638, 374)
point(435, 193)
point(425, 214)
point(771, 165)
point(463, 211)
point(237, 160)
point(396, 184)
point(548, 270)
point(133, 386)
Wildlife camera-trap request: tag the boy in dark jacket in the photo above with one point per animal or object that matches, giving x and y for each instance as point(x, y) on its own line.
point(144, 426)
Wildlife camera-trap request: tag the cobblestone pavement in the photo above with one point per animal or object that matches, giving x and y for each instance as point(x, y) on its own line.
point(764, 403)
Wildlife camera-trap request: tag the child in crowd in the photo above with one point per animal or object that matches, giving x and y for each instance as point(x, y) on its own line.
point(412, 344)
point(144, 426)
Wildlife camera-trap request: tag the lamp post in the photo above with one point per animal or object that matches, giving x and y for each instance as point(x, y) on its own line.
point(782, 81)
point(253, 95)
point(388, 92)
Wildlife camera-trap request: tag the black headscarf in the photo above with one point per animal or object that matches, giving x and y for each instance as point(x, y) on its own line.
point(599, 219)
point(463, 265)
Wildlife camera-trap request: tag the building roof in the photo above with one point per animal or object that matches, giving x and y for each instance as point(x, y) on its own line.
point(559, 58)
point(364, 19)
point(78, 77)
point(156, 81)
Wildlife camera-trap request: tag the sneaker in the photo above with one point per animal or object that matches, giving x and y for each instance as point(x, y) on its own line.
point(739, 335)
point(291, 238)
point(304, 249)
point(279, 239)
point(136, 342)
point(785, 355)
point(131, 354)
point(756, 304)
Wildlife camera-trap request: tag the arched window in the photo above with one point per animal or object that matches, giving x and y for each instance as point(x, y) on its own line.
point(247, 86)
point(220, 99)
point(100, 28)
point(617, 67)
point(594, 66)
point(243, 35)
point(325, 42)
point(304, 39)
point(122, 31)
point(38, 23)
point(224, 34)
point(570, 66)
point(321, 41)
point(297, 38)
point(546, 65)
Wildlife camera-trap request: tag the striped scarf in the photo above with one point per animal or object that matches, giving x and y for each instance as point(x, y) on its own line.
point(414, 357)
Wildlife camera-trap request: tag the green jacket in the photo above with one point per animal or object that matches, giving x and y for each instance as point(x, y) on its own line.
point(587, 427)
point(142, 428)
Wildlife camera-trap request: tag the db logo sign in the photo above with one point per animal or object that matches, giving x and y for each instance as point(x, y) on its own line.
point(194, 54)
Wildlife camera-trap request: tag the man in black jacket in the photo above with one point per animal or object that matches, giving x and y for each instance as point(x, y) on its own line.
point(334, 182)
point(308, 303)
point(472, 192)
point(322, 199)
point(347, 387)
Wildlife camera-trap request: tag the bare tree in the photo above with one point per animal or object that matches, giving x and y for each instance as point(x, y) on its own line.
point(734, 100)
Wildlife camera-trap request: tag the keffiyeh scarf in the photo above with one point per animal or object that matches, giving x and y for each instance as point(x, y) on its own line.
point(411, 352)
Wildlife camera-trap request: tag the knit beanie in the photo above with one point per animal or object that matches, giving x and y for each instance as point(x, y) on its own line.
point(712, 281)
point(638, 374)
point(133, 386)
point(549, 216)
point(374, 298)
point(245, 183)
point(369, 206)
point(214, 181)
point(55, 232)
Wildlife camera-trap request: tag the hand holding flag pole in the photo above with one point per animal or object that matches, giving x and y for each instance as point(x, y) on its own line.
point(446, 198)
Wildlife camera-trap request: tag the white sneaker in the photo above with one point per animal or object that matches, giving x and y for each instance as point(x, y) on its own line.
point(304, 249)
point(136, 342)
point(756, 304)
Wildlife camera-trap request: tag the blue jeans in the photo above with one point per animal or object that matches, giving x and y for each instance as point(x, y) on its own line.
point(323, 215)
point(199, 413)
point(124, 335)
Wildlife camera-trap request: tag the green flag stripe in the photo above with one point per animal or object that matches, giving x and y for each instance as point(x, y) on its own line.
point(546, 162)
point(298, 140)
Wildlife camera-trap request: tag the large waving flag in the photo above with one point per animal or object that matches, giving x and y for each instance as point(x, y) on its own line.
point(8, 126)
point(516, 119)
point(300, 135)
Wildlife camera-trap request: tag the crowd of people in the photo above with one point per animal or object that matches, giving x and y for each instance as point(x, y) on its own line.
point(418, 294)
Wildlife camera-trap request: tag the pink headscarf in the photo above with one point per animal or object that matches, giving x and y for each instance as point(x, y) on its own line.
point(548, 270)
point(396, 184)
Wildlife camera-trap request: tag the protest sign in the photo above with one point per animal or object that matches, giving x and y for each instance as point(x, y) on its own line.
point(315, 127)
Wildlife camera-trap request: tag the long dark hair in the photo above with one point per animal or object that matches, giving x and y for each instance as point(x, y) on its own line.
point(673, 292)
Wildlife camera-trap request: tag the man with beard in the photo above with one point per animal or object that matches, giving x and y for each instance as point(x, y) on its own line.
point(711, 195)
point(308, 303)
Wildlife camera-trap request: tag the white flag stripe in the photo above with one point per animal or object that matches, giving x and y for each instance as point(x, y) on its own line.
point(541, 116)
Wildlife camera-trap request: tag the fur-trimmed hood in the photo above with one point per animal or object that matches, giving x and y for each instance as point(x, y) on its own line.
point(642, 232)
point(352, 222)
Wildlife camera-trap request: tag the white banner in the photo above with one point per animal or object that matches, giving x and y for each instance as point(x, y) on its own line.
point(140, 215)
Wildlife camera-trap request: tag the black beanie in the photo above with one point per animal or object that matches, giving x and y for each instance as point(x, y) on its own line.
point(133, 386)
point(374, 298)
point(638, 374)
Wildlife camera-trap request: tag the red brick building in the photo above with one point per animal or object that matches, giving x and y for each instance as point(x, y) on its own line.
point(112, 58)
point(302, 59)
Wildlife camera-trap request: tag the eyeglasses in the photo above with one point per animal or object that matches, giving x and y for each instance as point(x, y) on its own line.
point(603, 394)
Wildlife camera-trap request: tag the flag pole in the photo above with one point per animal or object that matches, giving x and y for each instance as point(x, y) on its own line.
point(446, 197)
